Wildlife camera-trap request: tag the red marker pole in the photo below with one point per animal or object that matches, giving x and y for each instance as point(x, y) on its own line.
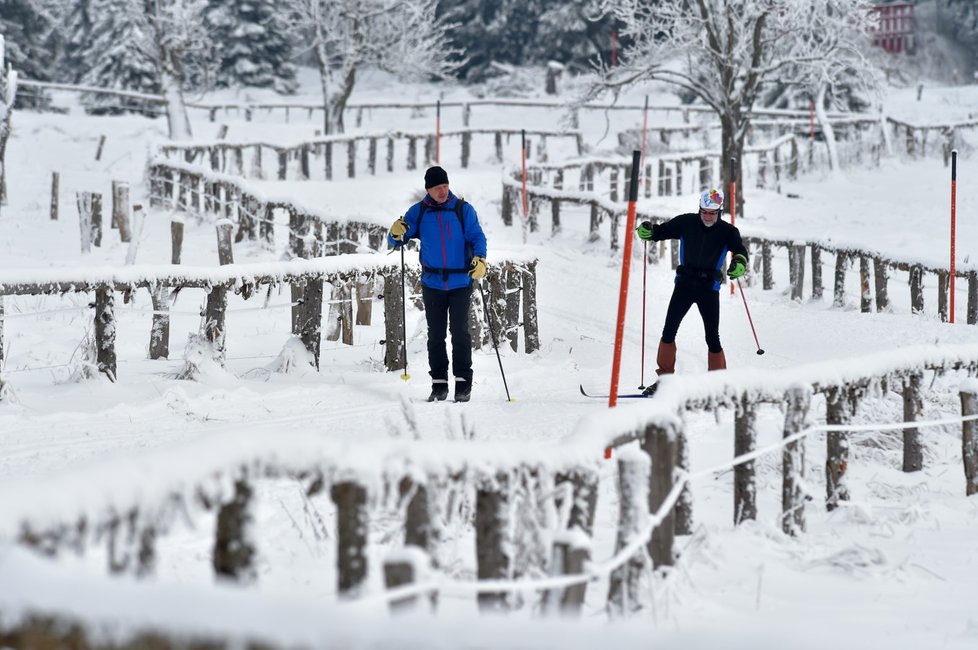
point(438, 132)
point(733, 200)
point(954, 191)
point(623, 287)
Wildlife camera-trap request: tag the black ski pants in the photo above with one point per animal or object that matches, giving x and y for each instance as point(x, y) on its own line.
point(685, 294)
point(444, 310)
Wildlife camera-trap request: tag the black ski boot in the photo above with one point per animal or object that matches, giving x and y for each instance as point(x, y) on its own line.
point(650, 389)
point(439, 391)
point(463, 390)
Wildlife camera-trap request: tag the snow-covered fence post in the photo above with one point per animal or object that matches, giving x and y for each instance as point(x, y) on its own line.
point(796, 270)
point(393, 323)
point(352, 526)
point(372, 156)
point(328, 160)
point(793, 493)
point(817, 288)
point(214, 316)
point(659, 443)
point(767, 268)
point(498, 144)
point(351, 158)
point(531, 329)
point(881, 274)
point(89, 219)
point(365, 298)
point(176, 239)
point(120, 209)
point(304, 162)
point(225, 253)
point(943, 291)
point(969, 438)
point(972, 297)
point(105, 330)
point(466, 148)
point(509, 296)
point(234, 551)
point(634, 478)
point(913, 406)
point(390, 153)
point(745, 441)
point(865, 295)
point(492, 537)
point(159, 337)
point(283, 163)
point(55, 183)
point(839, 407)
point(572, 545)
point(506, 211)
point(839, 288)
point(266, 225)
point(683, 524)
point(412, 153)
point(420, 535)
point(917, 289)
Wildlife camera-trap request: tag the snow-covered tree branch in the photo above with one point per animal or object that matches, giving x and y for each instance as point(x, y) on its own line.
point(724, 52)
point(399, 36)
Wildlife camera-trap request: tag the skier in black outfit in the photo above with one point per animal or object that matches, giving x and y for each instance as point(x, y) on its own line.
point(705, 241)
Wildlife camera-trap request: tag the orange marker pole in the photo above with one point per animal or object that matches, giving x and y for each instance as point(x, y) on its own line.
point(954, 191)
point(623, 287)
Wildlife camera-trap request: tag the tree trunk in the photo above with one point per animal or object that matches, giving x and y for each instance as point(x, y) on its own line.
point(827, 132)
point(733, 131)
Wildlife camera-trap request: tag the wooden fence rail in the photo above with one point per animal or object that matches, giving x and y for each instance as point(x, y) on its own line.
point(562, 479)
point(304, 161)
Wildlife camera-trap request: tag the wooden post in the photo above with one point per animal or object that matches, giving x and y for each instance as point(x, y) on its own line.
point(412, 154)
point(659, 443)
point(817, 290)
point(214, 318)
point(839, 289)
point(105, 327)
point(969, 439)
point(328, 160)
point(796, 270)
point(793, 463)
point(684, 506)
point(101, 146)
point(393, 343)
point(838, 411)
point(510, 292)
point(506, 211)
point(352, 526)
point(55, 182)
point(881, 274)
point(865, 295)
point(176, 239)
point(311, 317)
point(917, 289)
point(913, 406)
point(531, 328)
point(767, 269)
point(745, 441)
point(233, 557)
point(283, 164)
point(159, 337)
point(225, 253)
point(466, 148)
point(351, 158)
point(943, 291)
point(634, 478)
point(492, 543)
point(498, 143)
point(372, 156)
point(972, 297)
point(89, 210)
point(120, 210)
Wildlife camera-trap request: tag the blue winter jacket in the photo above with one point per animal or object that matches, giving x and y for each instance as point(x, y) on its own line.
point(444, 259)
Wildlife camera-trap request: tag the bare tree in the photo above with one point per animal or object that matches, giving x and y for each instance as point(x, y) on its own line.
point(8, 92)
point(403, 37)
point(721, 51)
point(177, 28)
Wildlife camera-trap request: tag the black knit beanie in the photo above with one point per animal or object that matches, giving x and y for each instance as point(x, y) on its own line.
point(435, 176)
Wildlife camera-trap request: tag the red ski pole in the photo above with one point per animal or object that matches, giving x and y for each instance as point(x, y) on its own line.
point(749, 319)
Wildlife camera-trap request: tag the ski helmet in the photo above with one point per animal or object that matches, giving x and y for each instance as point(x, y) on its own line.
point(711, 199)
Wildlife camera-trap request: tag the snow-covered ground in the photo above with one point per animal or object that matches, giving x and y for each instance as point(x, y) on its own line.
point(895, 569)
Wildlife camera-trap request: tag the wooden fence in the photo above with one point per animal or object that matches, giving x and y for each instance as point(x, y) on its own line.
point(534, 504)
point(304, 161)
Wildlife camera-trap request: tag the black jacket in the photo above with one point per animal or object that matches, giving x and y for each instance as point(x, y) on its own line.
point(702, 251)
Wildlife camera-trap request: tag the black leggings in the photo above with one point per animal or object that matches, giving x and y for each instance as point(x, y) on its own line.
point(444, 310)
point(685, 294)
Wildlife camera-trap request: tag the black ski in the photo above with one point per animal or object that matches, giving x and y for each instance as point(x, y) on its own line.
point(624, 396)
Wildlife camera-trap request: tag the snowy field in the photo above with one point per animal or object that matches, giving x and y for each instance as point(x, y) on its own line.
point(898, 568)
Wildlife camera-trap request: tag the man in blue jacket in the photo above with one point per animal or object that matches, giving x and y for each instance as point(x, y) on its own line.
point(453, 254)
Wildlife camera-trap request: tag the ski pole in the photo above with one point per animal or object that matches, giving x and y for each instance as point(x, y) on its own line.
point(495, 344)
point(404, 375)
point(749, 319)
point(645, 275)
point(733, 202)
